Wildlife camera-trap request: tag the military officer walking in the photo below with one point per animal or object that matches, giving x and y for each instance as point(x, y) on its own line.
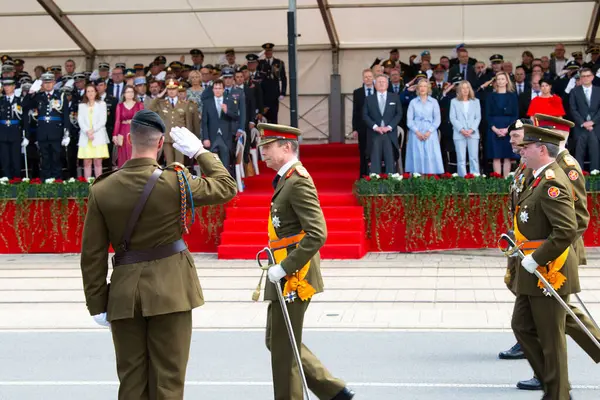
point(12, 125)
point(274, 83)
point(53, 125)
point(154, 284)
point(545, 227)
point(297, 231)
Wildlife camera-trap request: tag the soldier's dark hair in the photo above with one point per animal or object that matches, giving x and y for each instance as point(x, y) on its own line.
point(219, 82)
point(552, 148)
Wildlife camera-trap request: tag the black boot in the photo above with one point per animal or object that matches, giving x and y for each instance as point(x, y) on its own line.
point(514, 353)
point(531, 384)
point(345, 394)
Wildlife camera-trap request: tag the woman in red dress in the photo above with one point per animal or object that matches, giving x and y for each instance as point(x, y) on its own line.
point(125, 112)
point(546, 103)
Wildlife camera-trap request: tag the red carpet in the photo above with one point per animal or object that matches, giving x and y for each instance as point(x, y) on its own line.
point(334, 168)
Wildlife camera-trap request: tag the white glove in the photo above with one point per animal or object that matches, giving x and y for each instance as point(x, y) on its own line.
point(276, 273)
point(100, 319)
point(25, 142)
point(186, 142)
point(65, 142)
point(529, 263)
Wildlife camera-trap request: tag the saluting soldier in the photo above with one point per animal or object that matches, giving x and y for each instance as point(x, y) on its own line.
point(53, 125)
point(154, 284)
point(274, 83)
point(12, 125)
point(297, 231)
point(174, 113)
point(545, 228)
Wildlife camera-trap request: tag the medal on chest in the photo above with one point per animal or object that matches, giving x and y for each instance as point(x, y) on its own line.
point(524, 216)
point(275, 220)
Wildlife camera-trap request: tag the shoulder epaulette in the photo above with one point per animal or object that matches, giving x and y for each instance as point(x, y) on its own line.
point(550, 174)
point(103, 176)
point(302, 171)
point(174, 165)
point(570, 161)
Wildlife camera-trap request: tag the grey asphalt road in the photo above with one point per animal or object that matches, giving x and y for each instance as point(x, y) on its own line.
point(235, 365)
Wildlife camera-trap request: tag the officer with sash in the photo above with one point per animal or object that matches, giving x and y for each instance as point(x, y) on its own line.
point(12, 125)
point(154, 284)
point(545, 228)
point(297, 231)
point(53, 124)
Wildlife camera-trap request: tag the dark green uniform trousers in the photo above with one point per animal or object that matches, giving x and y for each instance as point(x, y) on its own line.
point(287, 384)
point(152, 354)
point(539, 324)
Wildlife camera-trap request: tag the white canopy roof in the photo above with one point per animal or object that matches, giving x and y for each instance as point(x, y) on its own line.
point(111, 27)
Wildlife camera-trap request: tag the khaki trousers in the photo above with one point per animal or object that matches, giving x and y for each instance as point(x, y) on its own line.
point(172, 155)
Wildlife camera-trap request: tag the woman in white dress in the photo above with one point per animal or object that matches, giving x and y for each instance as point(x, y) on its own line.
point(465, 116)
point(93, 138)
point(423, 153)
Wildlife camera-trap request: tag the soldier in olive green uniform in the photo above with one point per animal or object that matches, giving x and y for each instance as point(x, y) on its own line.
point(154, 284)
point(297, 231)
point(545, 228)
point(573, 171)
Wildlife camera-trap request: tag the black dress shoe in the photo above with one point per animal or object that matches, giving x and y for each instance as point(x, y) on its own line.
point(345, 394)
point(531, 384)
point(514, 353)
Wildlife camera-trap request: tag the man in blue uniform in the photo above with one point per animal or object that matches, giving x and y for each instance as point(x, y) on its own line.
point(273, 70)
point(53, 125)
point(11, 130)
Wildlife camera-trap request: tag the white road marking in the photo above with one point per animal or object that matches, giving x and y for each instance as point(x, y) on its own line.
point(255, 383)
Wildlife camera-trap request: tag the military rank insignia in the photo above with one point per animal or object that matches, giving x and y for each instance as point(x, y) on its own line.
point(553, 192)
point(302, 171)
point(570, 161)
point(550, 174)
point(573, 175)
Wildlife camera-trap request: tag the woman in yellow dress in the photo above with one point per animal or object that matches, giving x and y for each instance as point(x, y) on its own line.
point(93, 138)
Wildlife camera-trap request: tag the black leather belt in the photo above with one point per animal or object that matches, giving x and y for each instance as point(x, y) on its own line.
point(157, 253)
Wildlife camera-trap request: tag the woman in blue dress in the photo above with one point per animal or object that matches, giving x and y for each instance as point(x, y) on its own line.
point(501, 110)
point(423, 153)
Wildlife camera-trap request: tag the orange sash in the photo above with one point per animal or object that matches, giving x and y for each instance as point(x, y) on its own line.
point(296, 282)
point(551, 272)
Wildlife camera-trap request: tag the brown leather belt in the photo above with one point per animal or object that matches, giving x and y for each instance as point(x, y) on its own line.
point(157, 253)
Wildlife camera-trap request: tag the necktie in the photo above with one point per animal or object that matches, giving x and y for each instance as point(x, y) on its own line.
point(276, 181)
point(227, 92)
point(172, 103)
point(588, 96)
point(368, 91)
point(381, 103)
point(118, 92)
point(220, 102)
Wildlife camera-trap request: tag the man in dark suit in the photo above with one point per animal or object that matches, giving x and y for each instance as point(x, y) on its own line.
point(521, 85)
point(464, 69)
point(382, 113)
point(359, 127)
point(584, 103)
point(220, 121)
point(529, 94)
point(111, 112)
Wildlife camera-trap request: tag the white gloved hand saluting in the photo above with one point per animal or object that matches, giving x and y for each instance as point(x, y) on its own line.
point(276, 273)
point(25, 142)
point(101, 320)
point(529, 263)
point(186, 142)
point(66, 139)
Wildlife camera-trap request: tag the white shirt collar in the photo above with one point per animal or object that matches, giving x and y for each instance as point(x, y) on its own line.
point(287, 166)
point(541, 169)
point(173, 100)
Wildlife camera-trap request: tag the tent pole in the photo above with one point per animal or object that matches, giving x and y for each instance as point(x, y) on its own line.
point(293, 67)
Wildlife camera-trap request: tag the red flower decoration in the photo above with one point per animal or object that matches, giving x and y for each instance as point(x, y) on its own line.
point(446, 175)
point(367, 178)
point(406, 175)
point(586, 173)
point(36, 181)
point(15, 180)
point(469, 176)
point(58, 181)
point(436, 177)
point(495, 175)
point(82, 179)
point(383, 176)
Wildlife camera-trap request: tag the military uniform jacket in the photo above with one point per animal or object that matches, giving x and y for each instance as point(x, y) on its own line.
point(167, 285)
point(295, 208)
point(52, 114)
point(12, 121)
point(180, 115)
point(273, 73)
point(545, 212)
point(573, 171)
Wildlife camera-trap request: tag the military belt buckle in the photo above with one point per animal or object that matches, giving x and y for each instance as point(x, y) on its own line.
point(8, 123)
point(47, 119)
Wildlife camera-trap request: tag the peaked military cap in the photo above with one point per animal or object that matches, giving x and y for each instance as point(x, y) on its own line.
point(497, 58)
point(268, 46)
point(138, 66)
point(229, 51)
point(8, 81)
point(120, 65)
point(48, 77)
point(103, 66)
point(19, 61)
point(593, 50)
point(172, 84)
point(536, 134)
point(196, 52)
point(251, 57)
point(227, 72)
point(272, 132)
point(550, 122)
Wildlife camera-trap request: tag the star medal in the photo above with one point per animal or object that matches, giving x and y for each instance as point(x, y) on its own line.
point(290, 297)
point(276, 222)
point(524, 216)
